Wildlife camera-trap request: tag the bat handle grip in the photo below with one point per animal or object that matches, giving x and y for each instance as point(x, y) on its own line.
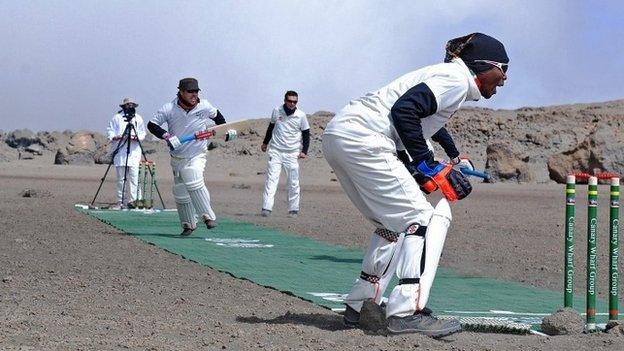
point(471, 172)
point(187, 138)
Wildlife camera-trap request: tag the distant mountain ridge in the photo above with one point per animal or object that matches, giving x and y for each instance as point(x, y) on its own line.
point(530, 144)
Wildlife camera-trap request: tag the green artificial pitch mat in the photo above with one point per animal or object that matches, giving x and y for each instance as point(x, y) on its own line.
point(323, 273)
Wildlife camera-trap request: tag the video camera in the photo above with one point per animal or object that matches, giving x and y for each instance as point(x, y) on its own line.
point(128, 114)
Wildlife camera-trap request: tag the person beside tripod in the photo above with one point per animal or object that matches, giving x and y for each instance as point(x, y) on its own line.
point(126, 129)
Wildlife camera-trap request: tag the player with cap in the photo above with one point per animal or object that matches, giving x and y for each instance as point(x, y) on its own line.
point(363, 145)
point(186, 115)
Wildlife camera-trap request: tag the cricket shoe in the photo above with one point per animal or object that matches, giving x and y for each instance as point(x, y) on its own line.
point(351, 318)
point(371, 317)
point(210, 223)
point(187, 231)
point(423, 322)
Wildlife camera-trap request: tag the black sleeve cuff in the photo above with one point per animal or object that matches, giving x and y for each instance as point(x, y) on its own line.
point(305, 136)
point(269, 133)
point(444, 138)
point(156, 130)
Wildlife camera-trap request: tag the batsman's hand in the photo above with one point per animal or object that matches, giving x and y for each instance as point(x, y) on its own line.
point(172, 141)
point(460, 163)
point(302, 155)
point(451, 182)
point(263, 147)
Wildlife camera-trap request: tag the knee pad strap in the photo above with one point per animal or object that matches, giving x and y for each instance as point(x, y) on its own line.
point(387, 234)
point(369, 277)
point(415, 229)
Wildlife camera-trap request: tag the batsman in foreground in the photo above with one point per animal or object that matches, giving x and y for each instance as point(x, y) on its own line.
point(363, 144)
point(188, 115)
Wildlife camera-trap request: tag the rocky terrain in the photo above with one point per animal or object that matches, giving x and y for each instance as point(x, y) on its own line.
point(527, 145)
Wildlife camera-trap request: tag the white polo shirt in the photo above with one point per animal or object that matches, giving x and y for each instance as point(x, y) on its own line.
point(116, 127)
point(287, 131)
point(452, 84)
point(181, 123)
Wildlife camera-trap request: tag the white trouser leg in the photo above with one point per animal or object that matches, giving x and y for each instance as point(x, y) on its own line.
point(384, 191)
point(186, 212)
point(380, 185)
point(291, 166)
point(377, 267)
point(120, 182)
point(272, 178)
point(133, 179)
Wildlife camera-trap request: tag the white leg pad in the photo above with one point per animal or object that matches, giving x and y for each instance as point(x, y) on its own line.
point(402, 299)
point(406, 299)
point(434, 243)
point(376, 263)
point(200, 198)
point(186, 212)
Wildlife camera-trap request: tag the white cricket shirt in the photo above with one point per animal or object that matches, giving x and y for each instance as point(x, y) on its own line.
point(181, 123)
point(287, 131)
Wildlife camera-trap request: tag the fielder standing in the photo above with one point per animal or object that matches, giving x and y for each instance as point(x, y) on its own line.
point(360, 143)
point(287, 130)
point(115, 132)
point(185, 115)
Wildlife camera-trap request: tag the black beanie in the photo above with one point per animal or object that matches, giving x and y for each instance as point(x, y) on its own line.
point(476, 46)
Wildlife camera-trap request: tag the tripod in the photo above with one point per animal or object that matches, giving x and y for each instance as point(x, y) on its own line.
point(126, 139)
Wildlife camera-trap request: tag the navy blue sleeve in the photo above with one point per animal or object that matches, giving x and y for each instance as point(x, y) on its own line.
point(418, 102)
point(305, 136)
point(269, 133)
point(445, 140)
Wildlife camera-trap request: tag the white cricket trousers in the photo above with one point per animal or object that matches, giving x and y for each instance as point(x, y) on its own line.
point(289, 162)
point(385, 192)
point(132, 178)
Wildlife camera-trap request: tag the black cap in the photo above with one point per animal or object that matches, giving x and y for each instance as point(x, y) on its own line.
point(476, 46)
point(188, 84)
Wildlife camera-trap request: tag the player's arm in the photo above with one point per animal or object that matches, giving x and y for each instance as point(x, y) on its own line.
point(157, 130)
point(417, 103)
point(406, 113)
point(444, 138)
point(305, 139)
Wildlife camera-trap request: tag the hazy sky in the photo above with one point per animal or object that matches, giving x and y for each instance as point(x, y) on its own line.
point(68, 64)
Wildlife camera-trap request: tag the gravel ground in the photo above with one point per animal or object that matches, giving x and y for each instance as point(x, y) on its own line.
point(70, 282)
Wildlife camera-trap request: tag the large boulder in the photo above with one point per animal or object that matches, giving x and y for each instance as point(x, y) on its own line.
point(504, 164)
point(80, 150)
point(7, 153)
point(53, 141)
point(21, 138)
point(35, 149)
point(601, 151)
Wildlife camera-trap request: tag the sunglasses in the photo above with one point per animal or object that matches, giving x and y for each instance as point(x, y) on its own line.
point(501, 66)
point(292, 101)
point(192, 91)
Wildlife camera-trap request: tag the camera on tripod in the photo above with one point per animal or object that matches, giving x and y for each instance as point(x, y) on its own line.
point(128, 114)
